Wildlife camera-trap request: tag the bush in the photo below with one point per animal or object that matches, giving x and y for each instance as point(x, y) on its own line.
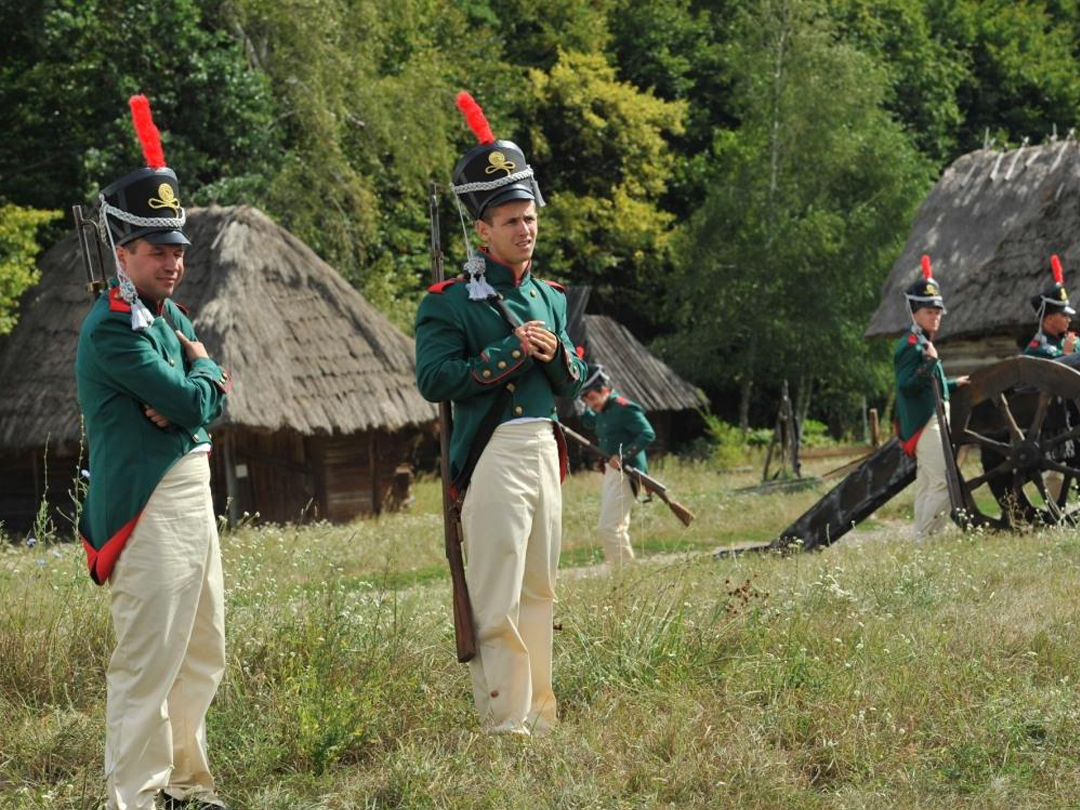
point(727, 442)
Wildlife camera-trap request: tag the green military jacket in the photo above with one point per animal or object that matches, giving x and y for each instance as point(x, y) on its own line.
point(915, 373)
point(119, 371)
point(1046, 346)
point(467, 353)
point(622, 428)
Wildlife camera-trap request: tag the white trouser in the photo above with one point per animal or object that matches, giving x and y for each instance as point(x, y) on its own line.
point(932, 504)
point(616, 501)
point(512, 525)
point(166, 599)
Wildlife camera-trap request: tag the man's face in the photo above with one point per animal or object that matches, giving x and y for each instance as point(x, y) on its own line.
point(511, 234)
point(929, 318)
point(155, 269)
point(1056, 324)
point(596, 397)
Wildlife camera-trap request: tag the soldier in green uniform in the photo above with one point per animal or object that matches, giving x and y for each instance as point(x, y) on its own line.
point(1053, 340)
point(624, 432)
point(147, 390)
point(506, 450)
point(918, 370)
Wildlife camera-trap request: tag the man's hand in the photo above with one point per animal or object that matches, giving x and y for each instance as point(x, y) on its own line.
point(615, 462)
point(1070, 343)
point(962, 381)
point(155, 416)
point(192, 348)
point(930, 351)
point(544, 343)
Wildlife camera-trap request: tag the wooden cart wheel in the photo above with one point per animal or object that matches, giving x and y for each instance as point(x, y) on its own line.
point(1023, 416)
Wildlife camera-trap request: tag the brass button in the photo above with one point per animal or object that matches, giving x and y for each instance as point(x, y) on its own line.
point(518, 410)
point(501, 364)
point(515, 354)
point(487, 372)
point(510, 387)
point(194, 438)
point(172, 362)
point(532, 293)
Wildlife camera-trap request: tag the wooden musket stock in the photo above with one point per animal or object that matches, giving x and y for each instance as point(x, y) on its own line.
point(464, 634)
point(647, 482)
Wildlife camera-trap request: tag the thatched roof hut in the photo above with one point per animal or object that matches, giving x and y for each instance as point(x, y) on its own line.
point(636, 372)
point(990, 226)
point(324, 408)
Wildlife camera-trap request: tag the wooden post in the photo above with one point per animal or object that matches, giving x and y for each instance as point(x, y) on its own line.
point(875, 429)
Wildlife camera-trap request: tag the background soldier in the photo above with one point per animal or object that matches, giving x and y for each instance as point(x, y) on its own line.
point(148, 389)
point(624, 432)
point(918, 369)
point(506, 450)
point(1053, 340)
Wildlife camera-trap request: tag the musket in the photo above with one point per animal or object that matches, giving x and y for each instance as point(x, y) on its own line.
point(88, 232)
point(959, 509)
point(464, 634)
point(647, 482)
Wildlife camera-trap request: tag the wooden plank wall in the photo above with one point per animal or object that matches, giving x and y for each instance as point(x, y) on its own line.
point(22, 484)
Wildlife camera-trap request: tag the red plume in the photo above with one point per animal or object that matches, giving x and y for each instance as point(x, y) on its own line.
point(1059, 274)
point(580, 352)
point(478, 123)
point(148, 134)
point(925, 266)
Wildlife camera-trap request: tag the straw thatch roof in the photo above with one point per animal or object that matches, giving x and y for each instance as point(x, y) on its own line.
point(636, 372)
point(307, 351)
point(990, 226)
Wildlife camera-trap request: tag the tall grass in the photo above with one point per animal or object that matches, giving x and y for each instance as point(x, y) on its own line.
point(877, 674)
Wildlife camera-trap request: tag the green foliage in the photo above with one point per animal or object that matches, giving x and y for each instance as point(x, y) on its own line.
point(18, 251)
point(599, 146)
point(728, 444)
point(64, 83)
point(808, 209)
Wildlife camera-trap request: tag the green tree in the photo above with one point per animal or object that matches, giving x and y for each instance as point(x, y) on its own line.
point(814, 193)
point(18, 251)
point(69, 68)
point(599, 146)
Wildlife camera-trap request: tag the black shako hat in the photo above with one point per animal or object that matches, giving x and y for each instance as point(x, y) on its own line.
point(596, 377)
point(494, 171)
point(145, 204)
point(925, 292)
point(1053, 299)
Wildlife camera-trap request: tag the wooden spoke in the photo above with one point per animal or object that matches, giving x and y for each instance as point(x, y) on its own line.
point(971, 437)
point(1057, 466)
point(1061, 438)
point(1014, 429)
point(1063, 496)
point(1040, 414)
point(979, 480)
point(1037, 479)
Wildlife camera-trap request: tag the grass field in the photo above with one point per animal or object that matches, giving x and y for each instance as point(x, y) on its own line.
point(876, 674)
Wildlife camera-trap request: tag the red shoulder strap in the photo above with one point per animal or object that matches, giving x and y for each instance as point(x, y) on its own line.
point(116, 303)
point(554, 285)
point(442, 286)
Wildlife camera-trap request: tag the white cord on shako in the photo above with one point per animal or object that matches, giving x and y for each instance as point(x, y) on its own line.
point(141, 317)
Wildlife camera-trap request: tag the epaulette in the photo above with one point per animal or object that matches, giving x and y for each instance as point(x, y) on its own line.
point(912, 339)
point(554, 285)
point(116, 303)
point(1034, 344)
point(442, 286)
point(622, 401)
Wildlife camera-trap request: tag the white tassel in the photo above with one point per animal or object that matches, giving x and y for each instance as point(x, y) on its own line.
point(478, 286)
